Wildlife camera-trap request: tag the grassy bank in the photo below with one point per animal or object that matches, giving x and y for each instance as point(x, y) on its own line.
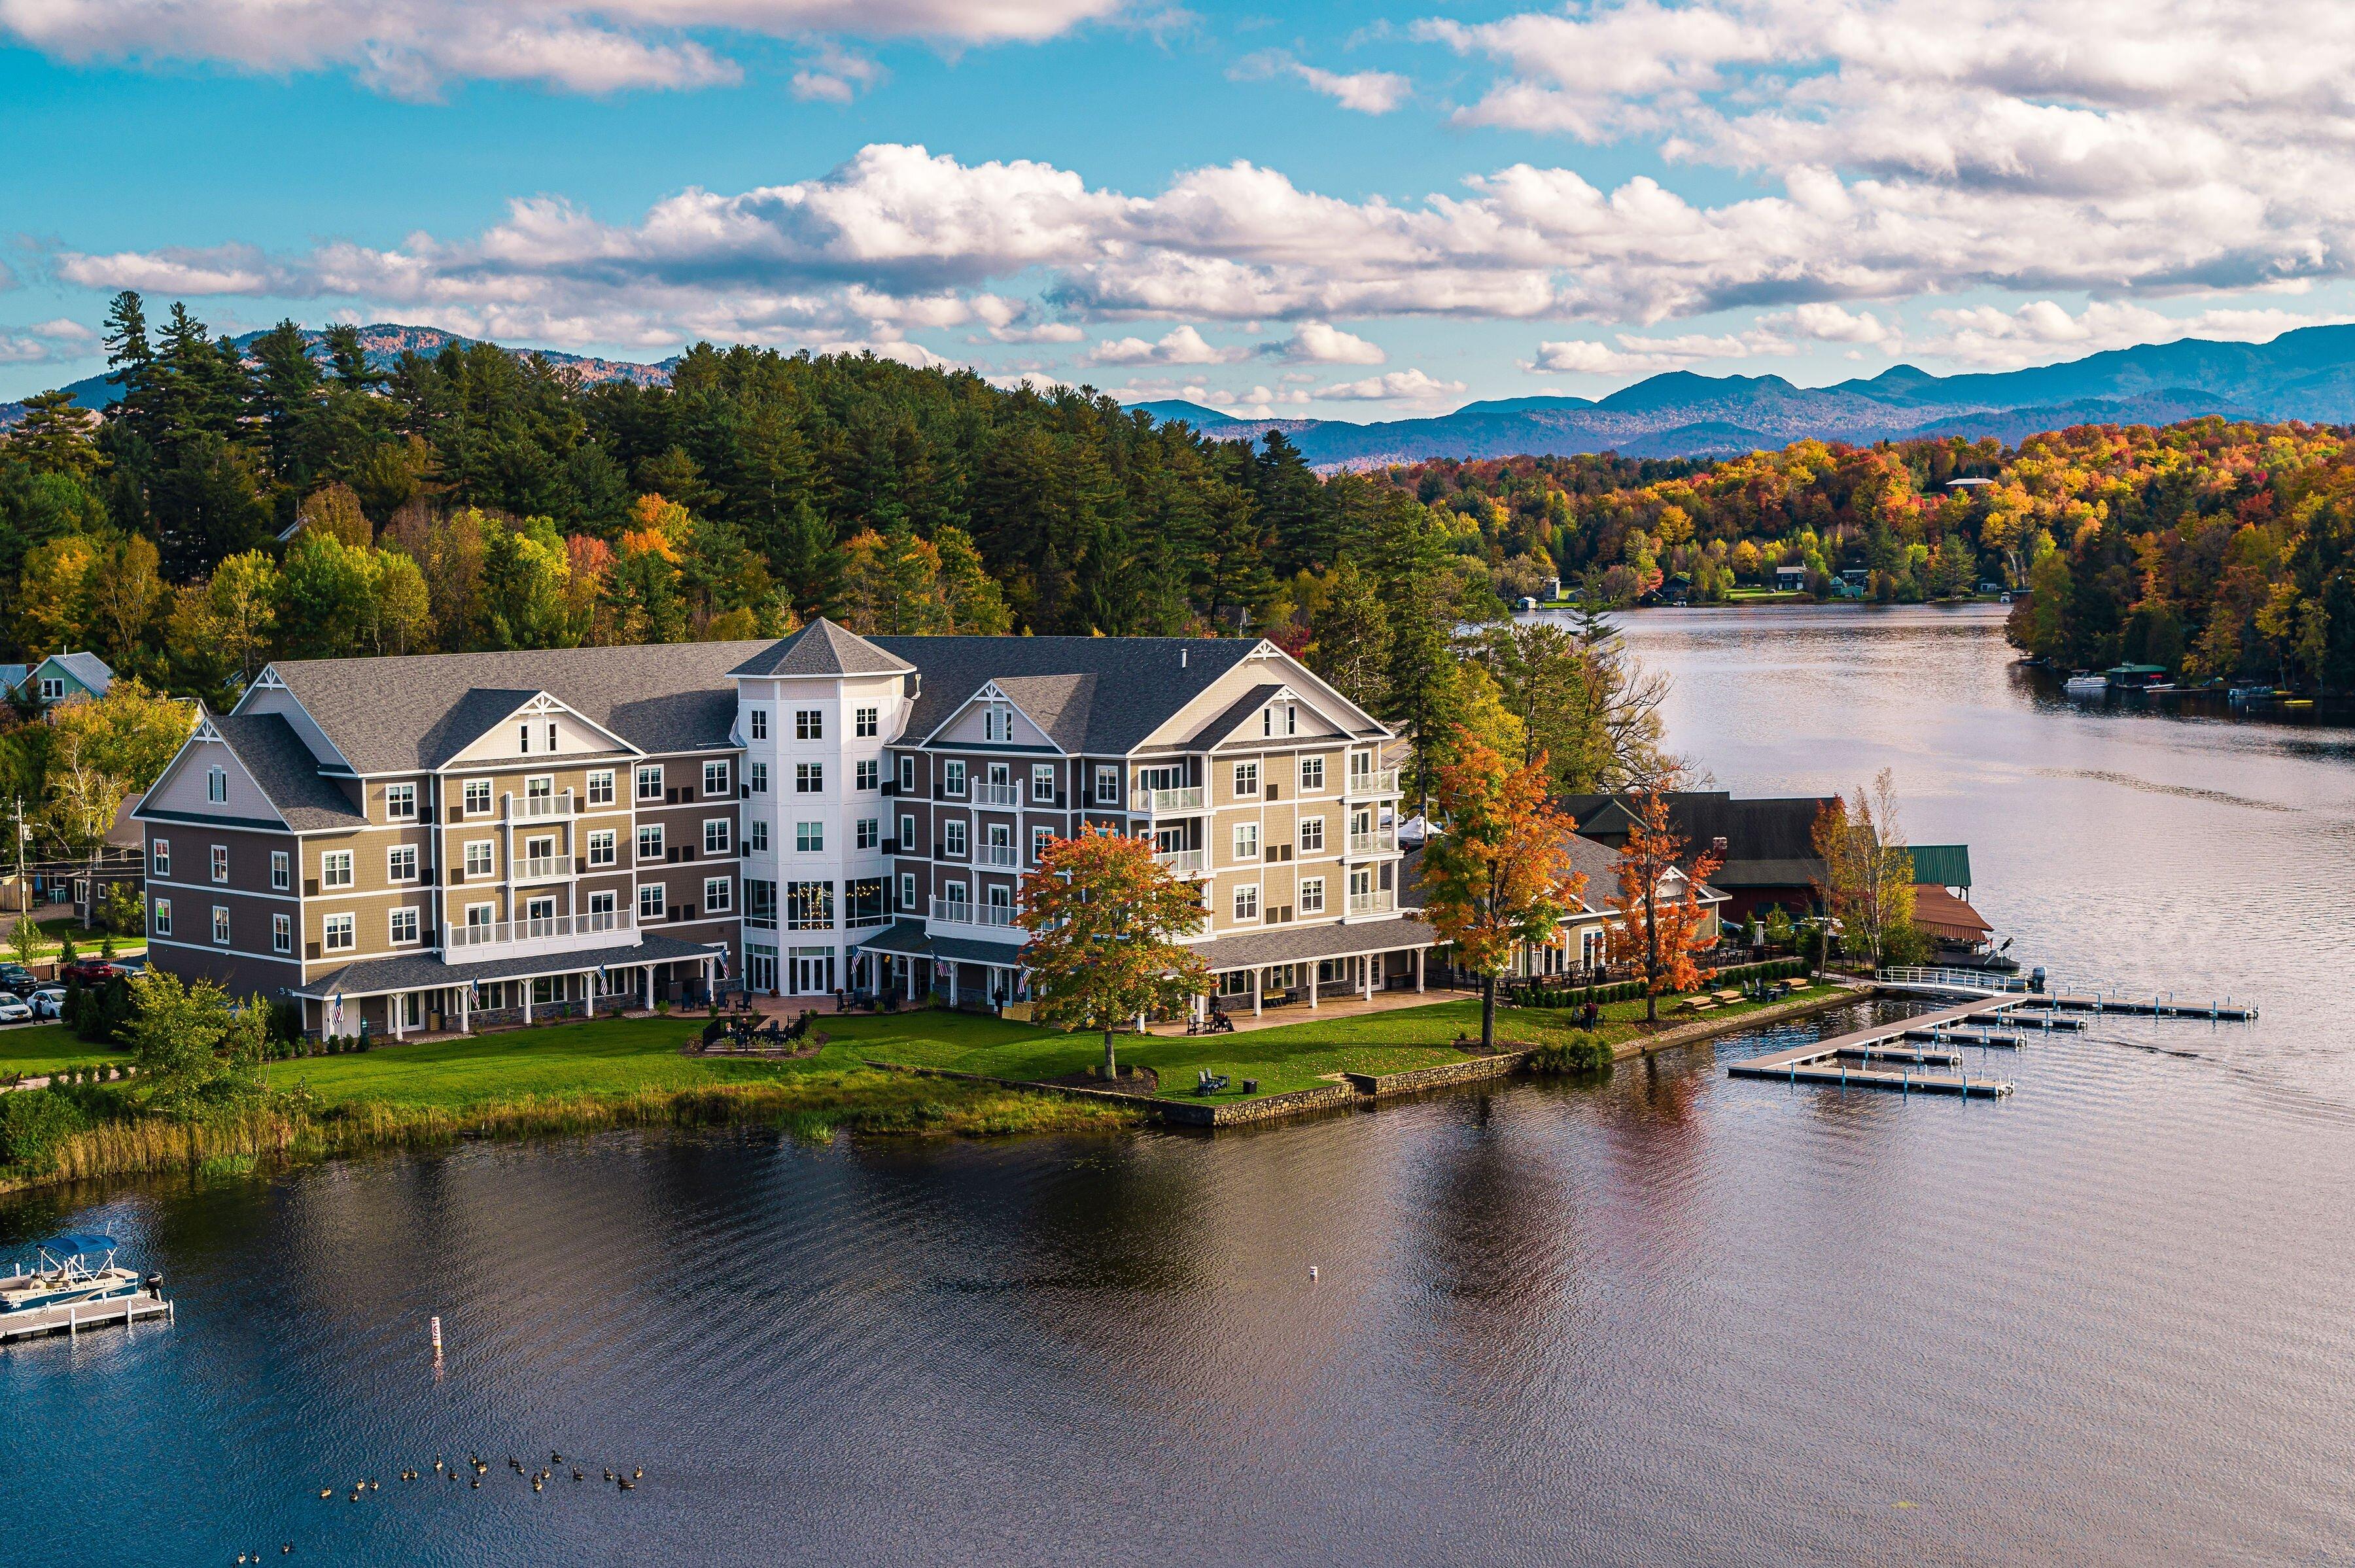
point(565, 1079)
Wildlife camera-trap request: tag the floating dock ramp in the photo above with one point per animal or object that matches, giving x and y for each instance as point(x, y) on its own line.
point(2062, 996)
point(1826, 1060)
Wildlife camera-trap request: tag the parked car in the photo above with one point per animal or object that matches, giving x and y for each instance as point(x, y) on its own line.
point(15, 977)
point(13, 1011)
point(88, 971)
point(48, 1002)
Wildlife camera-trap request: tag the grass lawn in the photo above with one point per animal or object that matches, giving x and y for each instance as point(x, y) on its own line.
point(37, 1049)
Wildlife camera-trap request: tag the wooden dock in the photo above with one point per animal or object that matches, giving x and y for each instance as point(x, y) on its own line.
point(74, 1316)
point(2082, 997)
point(1825, 1061)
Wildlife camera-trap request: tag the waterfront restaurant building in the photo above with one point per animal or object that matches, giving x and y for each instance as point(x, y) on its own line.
point(449, 840)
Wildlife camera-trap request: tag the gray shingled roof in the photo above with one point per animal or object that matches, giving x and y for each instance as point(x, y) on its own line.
point(88, 668)
point(822, 649)
point(397, 715)
point(269, 749)
point(1061, 705)
point(424, 971)
point(1258, 949)
point(1138, 681)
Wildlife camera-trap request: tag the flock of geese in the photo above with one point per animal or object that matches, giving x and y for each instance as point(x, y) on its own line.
point(448, 1470)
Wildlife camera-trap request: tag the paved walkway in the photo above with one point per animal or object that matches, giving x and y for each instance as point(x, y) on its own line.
point(1336, 1004)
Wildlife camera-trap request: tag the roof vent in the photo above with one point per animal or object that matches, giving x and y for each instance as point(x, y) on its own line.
point(1181, 658)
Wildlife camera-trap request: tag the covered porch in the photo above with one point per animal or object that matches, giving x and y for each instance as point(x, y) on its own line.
point(1315, 968)
point(421, 994)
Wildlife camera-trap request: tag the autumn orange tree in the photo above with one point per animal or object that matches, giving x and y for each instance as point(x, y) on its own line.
point(1497, 870)
point(1104, 918)
point(1659, 931)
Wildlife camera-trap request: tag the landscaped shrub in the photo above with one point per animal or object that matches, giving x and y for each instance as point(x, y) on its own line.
point(1579, 1055)
point(31, 1122)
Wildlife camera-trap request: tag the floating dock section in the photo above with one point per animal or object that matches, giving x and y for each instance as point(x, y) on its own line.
point(1826, 1060)
point(74, 1316)
point(2062, 996)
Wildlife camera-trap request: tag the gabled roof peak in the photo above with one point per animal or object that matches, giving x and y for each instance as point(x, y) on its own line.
point(822, 649)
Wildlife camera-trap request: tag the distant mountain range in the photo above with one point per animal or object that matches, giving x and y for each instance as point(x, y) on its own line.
point(2309, 375)
point(385, 343)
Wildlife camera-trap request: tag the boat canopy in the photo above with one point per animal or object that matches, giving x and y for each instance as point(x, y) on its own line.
point(78, 1243)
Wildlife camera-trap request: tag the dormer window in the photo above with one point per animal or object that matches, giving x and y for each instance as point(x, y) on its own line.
point(1279, 720)
point(217, 785)
point(523, 740)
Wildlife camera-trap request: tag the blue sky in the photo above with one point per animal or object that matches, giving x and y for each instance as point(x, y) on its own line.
point(1359, 212)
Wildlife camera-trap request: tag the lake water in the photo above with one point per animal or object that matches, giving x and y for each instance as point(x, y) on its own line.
point(1677, 1320)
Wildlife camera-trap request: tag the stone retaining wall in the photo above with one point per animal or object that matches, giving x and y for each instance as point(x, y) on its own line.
point(1381, 1087)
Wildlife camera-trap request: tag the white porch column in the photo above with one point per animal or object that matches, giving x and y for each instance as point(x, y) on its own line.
point(953, 972)
point(526, 1002)
point(398, 1003)
point(649, 971)
point(466, 997)
point(1259, 979)
point(1366, 972)
point(589, 993)
point(1418, 970)
point(1312, 985)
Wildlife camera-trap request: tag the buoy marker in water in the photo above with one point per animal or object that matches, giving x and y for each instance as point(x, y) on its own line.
point(437, 1336)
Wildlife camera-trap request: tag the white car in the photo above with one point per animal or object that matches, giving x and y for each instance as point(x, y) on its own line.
point(13, 1011)
point(48, 1002)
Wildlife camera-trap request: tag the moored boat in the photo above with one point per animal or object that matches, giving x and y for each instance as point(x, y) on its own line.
point(73, 1268)
point(2086, 683)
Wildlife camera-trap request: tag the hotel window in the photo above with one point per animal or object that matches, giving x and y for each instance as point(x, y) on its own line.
point(870, 774)
point(714, 835)
point(757, 775)
point(809, 724)
point(523, 739)
point(1040, 837)
point(1042, 784)
point(340, 933)
point(715, 778)
point(479, 857)
point(650, 842)
point(907, 890)
point(868, 722)
point(870, 832)
point(809, 906)
point(1246, 840)
point(400, 802)
point(1312, 895)
point(282, 934)
point(400, 863)
point(953, 778)
point(955, 838)
point(220, 862)
point(162, 917)
point(756, 836)
point(282, 870)
point(1279, 721)
point(809, 778)
point(906, 775)
point(1247, 902)
point(715, 895)
point(220, 925)
point(1311, 835)
point(603, 844)
point(600, 787)
point(601, 904)
point(809, 837)
point(478, 797)
point(162, 851)
point(404, 926)
point(1312, 776)
point(482, 917)
point(217, 785)
point(759, 719)
point(650, 785)
point(907, 836)
point(1246, 778)
point(650, 902)
point(1107, 786)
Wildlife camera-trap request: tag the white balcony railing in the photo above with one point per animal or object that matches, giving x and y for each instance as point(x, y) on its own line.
point(1184, 862)
point(1379, 901)
point(1375, 780)
point(1160, 801)
point(543, 868)
point(995, 855)
point(525, 808)
point(964, 912)
point(549, 934)
point(1376, 843)
point(996, 794)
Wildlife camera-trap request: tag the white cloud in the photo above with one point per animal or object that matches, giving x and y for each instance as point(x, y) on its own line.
point(1366, 91)
point(1182, 345)
point(1394, 385)
point(411, 48)
point(835, 75)
point(2042, 330)
point(1316, 343)
point(1826, 323)
point(45, 342)
point(1638, 354)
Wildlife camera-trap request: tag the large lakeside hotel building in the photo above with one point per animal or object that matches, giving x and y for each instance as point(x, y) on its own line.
point(448, 840)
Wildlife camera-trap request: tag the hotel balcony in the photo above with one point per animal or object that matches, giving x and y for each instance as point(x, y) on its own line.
point(1002, 856)
point(1184, 862)
point(1382, 901)
point(1165, 802)
point(1382, 842)
point(964, 912)
point(543, 869)
point(1376, 782)
point(532, 938)
point(996, 794)
point(532, 807)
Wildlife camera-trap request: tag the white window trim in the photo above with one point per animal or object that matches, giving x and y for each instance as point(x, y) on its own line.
point(392, 863)
point(345, 919)
point(726, 904)
point(282, 934)
point(490, 848)
point(655, 828)
point(609, 840)
point(1250, 890)
point(392, 925)
point(162, 919)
